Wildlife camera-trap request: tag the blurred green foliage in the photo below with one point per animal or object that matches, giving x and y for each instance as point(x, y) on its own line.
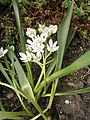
point(4, 1)
point(85, 34)
point(81, 8)
point(39, 3)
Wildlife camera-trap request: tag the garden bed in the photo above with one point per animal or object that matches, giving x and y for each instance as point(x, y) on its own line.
point(71, 107)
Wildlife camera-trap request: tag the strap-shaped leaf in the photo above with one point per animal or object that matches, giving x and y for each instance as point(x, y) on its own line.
point(62, 35)
point(19, 24)
point(71, 92)
point(70, 37)
point(24, 83)
point(81, 62)
point(22, 39)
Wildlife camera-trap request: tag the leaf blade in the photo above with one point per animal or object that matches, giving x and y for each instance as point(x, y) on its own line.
point(81, 62)
point(19, 25)
point(62, 35)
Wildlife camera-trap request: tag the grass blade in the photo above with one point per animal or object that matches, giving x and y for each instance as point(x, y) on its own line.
point(73, 92)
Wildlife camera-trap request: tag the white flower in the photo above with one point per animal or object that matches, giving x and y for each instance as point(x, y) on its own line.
point(25, 57)
point(31, 32)
point(3, 52)
point(37, 46)
point(46, 30)
point(52, 46)
point(53, 29)
point(38, 49)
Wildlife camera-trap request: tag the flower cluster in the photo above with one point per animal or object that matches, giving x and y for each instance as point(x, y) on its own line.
point(35, 46)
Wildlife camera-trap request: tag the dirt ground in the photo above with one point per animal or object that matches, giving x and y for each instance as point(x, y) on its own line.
point(78, 106)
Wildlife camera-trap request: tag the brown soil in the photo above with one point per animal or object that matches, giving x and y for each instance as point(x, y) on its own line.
point(79, 105)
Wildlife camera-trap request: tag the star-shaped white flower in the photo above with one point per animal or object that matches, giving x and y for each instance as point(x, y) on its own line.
point(46, 30)
point(51, 47)
point(37, 47)
point(53, 29)
point(31, 32)
point(25, 57)
point(3, 52)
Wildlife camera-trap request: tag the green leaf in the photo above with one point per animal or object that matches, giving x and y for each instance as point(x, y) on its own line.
point(1, 105)
point(19, 25)
point(62, 37)
point(5, 74)
point(22, 39)
point(72, 92)
point(24, 83)
point(12, 115)
point(81, 62)
point(71, 34)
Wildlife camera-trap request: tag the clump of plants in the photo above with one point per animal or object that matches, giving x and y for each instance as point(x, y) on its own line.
point(41, 49)
point(81, 8)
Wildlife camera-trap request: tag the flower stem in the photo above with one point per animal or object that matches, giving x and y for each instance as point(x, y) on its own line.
point(39, 80)
point(44, 63)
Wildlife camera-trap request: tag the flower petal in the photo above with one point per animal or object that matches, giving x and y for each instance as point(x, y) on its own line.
point(50, 42)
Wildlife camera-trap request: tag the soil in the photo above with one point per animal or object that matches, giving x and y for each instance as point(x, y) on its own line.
point(78, 106)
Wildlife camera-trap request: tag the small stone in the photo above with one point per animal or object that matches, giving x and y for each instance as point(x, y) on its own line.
point(60, 112)
point(67, 101)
